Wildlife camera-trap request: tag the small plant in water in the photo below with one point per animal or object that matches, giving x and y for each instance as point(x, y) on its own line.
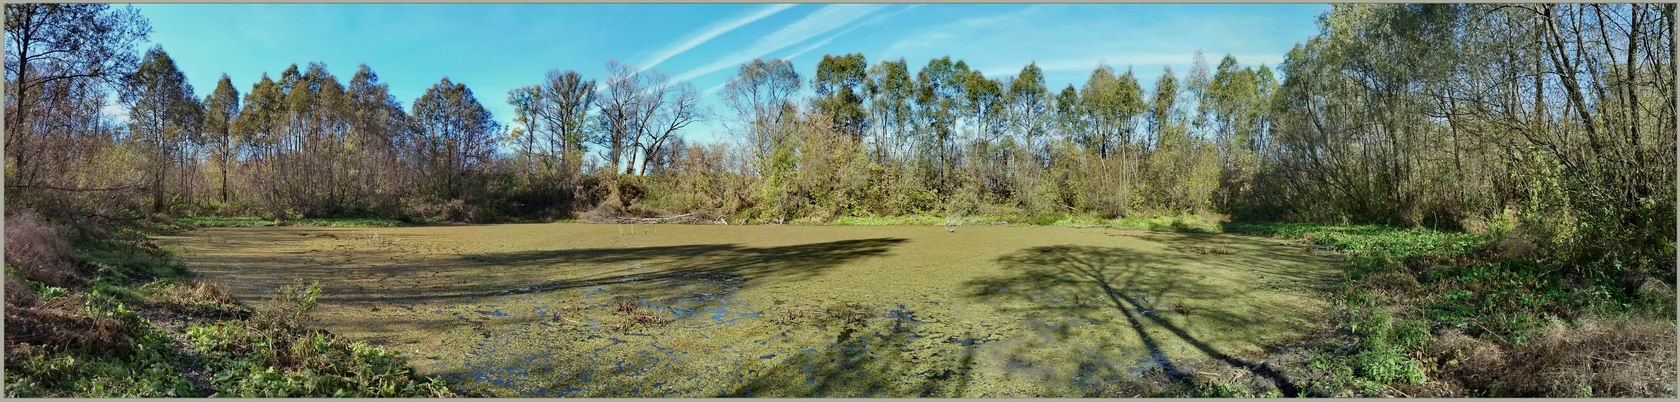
point(635, 315)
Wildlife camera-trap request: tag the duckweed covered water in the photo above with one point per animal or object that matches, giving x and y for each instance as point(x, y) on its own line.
point(572, 309)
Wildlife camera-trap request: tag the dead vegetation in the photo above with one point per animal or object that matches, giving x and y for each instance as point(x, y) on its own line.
point(18, 294)
point(63, 324)
point(37, 250)
point(840, 315)
point(1215, 249)
point(1620, 357)
point(1473, 362)
point(609, 212)
point(195, 301)
point(633, 315)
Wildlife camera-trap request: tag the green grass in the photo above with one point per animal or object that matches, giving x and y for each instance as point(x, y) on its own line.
point(242, 362)
point(1368, 239)
point(147, 369)
point(1440, 280)
point(1182, 222)
point(124, 278)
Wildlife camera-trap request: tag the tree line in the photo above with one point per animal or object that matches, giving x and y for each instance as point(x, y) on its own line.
point(1559, 119)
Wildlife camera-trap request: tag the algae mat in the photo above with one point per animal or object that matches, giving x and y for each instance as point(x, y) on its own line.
point(571, 309)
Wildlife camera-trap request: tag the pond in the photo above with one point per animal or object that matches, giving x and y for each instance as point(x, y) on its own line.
point(572, 309)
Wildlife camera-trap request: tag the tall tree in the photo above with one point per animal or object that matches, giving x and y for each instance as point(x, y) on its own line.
point(1029, 105)
point(762, 96)
point(839, 85)
point(220, 110)
point(54, 43)
point(564, 110)
point(668, 108)
point(891, 89)
point(623, 109)
point(164, 116)
point(455, 137)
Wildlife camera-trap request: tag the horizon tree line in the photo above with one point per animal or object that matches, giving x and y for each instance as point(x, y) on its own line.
point(1447, 116)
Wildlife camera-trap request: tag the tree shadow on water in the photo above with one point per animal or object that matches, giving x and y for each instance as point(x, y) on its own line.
point(1144, 288)
point(888, 358)
point(655, 272)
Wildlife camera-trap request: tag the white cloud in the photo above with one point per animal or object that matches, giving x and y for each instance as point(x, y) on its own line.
point(945, 34)
point(710, 32)
point(830, 38)
point(816, 23)
point(714, 89)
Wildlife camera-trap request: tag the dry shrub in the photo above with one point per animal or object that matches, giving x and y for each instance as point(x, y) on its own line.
point(792, 317)
point(63, 325)
point(846, 314)
point(635, 315)
point(199, 300)
point(1622, 357)
point(1474, 224)
point(1512, 248)
point(1655, 290)
point(1473, 362)
point(18, 295)
point(1394, 280)
point(211, 292)
point(607, 211)
point(37, 250)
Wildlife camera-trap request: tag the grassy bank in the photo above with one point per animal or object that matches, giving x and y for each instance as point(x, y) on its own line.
point(1180, 222)
point(1430, 313)
point(104, 313)
point(252, 221)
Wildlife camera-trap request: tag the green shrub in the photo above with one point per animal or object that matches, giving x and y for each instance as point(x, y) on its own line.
point(1388, 367)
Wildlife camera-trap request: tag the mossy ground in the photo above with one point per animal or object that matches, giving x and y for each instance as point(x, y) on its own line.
point(571, 309)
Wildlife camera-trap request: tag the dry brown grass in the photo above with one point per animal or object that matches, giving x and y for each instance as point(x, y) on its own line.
point(1511, 248)
point(199, 300)
point(792, 317)
point(1620, 357)
point(37, 250)
point(18, 295)
point(63, 325)
point(211, 292)
point(634, 315)
point(846, 314)
point(1394, 281)
point(1475, 363)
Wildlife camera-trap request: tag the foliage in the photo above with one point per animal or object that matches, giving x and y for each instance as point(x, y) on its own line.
point(274, 354)
point(101, 335)
point(1407, 284)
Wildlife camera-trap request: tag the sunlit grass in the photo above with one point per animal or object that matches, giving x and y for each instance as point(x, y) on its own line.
point(1177, 222)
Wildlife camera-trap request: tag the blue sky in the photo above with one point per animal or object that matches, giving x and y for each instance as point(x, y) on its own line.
point(497, 47)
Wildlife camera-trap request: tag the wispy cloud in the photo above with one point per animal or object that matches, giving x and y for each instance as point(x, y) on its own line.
point(709, 33)
point(816, 23)
point(944, 34)
point(714, 89)
point(830, 38)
